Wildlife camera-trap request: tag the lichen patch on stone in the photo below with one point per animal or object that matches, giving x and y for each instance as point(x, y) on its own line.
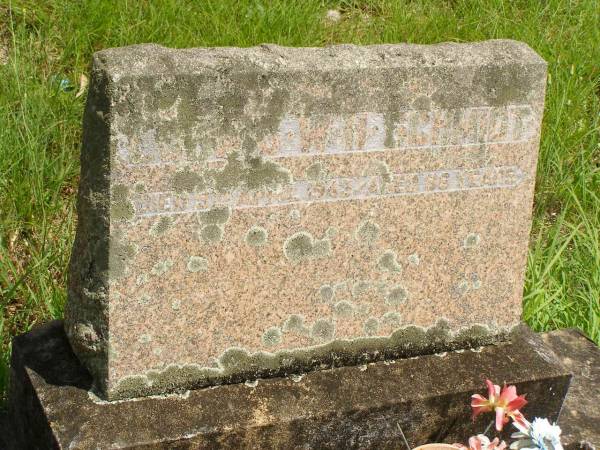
point(322, 330)
point(187, 181)
point(211, 234)
point(121, 207)
point(161, 226)
point(271, 336)
point(197, 264)
point(367, 232)
point(161, 267)
point(256, 236)
point(396, 296)
point(389, 262)
point(302, 246)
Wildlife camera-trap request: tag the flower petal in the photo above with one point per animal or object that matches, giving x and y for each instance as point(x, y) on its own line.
point(493, 390)
point(517, 403)
point(499, 418)
point(520, 422)
point(508, 394)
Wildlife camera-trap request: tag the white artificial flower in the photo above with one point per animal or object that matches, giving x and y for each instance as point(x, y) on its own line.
point(538, 435)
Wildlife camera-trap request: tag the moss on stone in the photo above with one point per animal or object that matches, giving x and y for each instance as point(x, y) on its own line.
point(249, 173)
point(322, 330)
point(256, 236)
point(236, 364)
point(197, 264)
point(187, 181)
point(326, 292)
point(211, 233)
point(121, 207)
point(343, 308)
point(397, 295)
point(367, 232)
point(271, 336)
point(162, 267)
point(218, 215)
point(302, 246)
point(161, 226)
point(389, 262)
point(371, 326)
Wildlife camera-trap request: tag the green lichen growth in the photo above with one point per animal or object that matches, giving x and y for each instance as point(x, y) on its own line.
point(236, 365)
point(215, 216)
point(343, 308)
point(396, 296)
point(392, 319)
point(322, 330)
point(144, 300)
point(389, 262)
point(316, 172)
point(256, 236)
point(380, 169)
point(471, 241)
point(461, 288)
point(326, 292)
point(360, 287)
point(233, 358)
point(414, 259)
point(302, 246)
point(294, 324)
point(211, 233)
point(187, 181)
point(197, 264)
point(119, 255)
point(121, 207)
point(162, 267)
point(367, 232)
point(130, 387)
point(371, 326)
point(331, 232)
point(161, 226)
point(271, 337)
point(249, 173)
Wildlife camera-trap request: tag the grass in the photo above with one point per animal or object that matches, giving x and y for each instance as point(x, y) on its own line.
point(40, 125)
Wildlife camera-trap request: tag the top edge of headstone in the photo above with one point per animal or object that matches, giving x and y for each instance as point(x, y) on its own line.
point(153, 59)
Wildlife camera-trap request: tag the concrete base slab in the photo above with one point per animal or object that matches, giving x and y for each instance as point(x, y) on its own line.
point(580, 419)
point(346, 407)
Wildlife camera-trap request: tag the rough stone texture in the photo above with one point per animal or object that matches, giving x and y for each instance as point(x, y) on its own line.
point(580, 420)
point(245, 212)
point(346, 408)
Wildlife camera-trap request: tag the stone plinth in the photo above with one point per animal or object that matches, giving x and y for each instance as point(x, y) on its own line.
point(580, 420)
point(251, 212)
point(347, 408)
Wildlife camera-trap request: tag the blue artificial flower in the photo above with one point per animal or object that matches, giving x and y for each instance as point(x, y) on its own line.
point(538, 435)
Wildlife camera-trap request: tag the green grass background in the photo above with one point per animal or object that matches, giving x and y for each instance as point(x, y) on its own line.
point(40, 125)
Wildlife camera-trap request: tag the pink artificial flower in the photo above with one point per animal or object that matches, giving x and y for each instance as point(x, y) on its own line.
point(481, 442)
point(505, 403)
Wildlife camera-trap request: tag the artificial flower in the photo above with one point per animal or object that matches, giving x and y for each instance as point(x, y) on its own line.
point(505, 404)
point(538, 435)
point(481, 442)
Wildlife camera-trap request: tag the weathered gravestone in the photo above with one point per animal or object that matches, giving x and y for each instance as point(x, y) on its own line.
point(263, 211)
point(246, 213)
